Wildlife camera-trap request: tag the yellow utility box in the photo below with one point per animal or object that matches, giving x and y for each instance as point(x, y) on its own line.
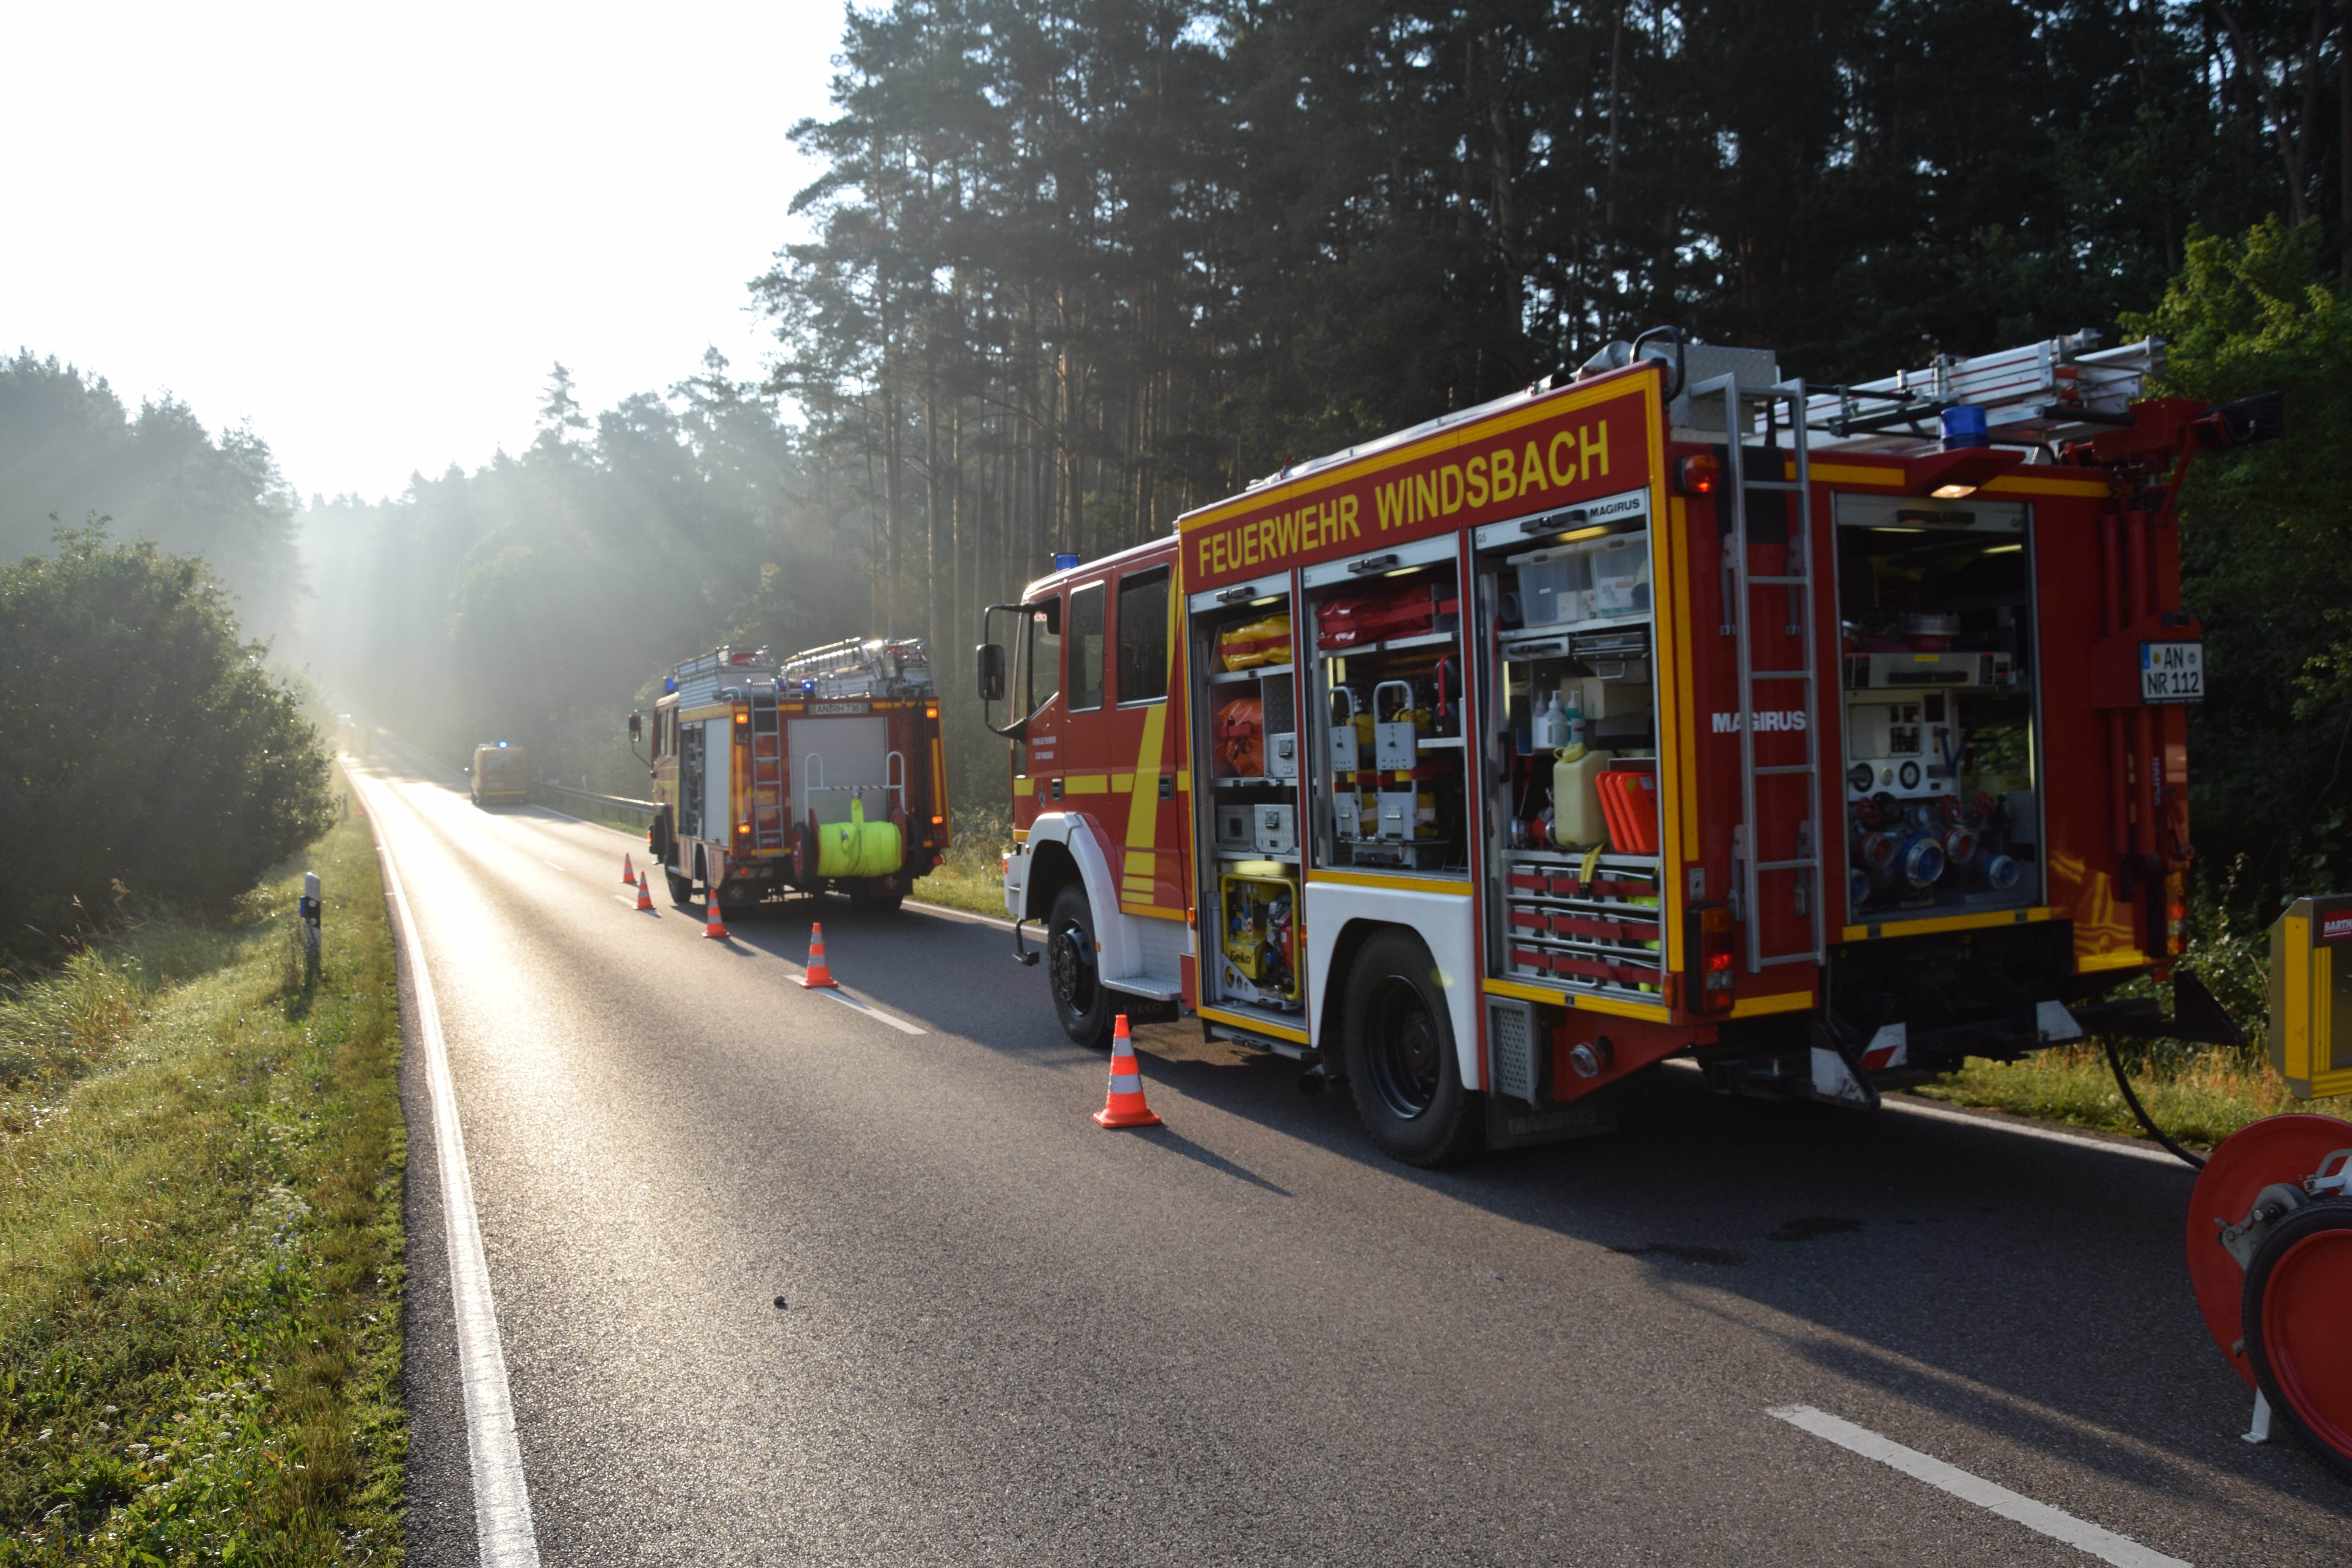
point(1260, 940)
point(2311, 996)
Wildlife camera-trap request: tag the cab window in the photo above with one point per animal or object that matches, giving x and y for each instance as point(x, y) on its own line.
point(1084, 688)
point(1143, 637)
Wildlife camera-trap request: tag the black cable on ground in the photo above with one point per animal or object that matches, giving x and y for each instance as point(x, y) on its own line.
point(2193, 1162)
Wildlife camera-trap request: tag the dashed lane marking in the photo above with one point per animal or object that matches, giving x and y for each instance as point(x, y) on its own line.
point(875, 1013)
point(2055, 1524)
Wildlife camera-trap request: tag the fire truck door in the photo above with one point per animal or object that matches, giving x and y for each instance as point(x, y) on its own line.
point(689, 780)
point(718, 777)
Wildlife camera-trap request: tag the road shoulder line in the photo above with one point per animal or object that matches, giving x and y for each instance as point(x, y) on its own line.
point(502, 1498)
point(2024, 1129)
point(2040, 1517)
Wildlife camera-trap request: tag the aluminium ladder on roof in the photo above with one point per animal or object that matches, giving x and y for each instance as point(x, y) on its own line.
point(1797, 580)
point(2057, 389)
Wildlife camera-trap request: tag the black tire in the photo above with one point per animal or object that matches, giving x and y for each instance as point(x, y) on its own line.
point(1398, 1042)
point(681, 888)
point(2319, 1240)
point(1073, 971)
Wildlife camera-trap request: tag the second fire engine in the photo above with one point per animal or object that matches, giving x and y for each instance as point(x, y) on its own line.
point(1825, 736)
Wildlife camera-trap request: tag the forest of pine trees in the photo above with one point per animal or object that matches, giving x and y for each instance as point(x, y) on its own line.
point(1071, 268)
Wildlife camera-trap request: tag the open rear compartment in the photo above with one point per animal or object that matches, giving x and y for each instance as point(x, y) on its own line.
point(1570, 805)
point(1245, 711)
point(1942, 717)
point(1386, 688)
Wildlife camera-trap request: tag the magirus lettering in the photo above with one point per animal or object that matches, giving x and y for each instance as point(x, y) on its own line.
point(1787, 719)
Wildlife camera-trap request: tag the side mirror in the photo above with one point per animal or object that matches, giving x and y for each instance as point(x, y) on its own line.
point(637, 727)
point(991, 661)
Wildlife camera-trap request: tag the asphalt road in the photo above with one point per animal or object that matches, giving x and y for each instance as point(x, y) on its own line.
point(1245, 1337)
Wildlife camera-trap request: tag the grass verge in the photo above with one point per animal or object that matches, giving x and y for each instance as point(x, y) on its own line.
point(2197, 1094)
point(971, 877)
point(201, 1157)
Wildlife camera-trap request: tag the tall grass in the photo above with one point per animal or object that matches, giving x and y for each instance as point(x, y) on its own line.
point(200, 1247)
point(971, 877)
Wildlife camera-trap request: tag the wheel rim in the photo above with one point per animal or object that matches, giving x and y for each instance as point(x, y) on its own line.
point(2302, 1333)
point(1070, 963)
point(1407, 1059)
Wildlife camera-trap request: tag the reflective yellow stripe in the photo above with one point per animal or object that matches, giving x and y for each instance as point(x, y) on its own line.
point(1563, 998)
point(1406, 884)
point(1950, 922)
point(1255, 1025)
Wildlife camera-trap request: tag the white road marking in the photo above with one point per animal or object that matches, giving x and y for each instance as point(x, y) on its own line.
point(553, 867)
point(960, 914)
point(875, 1013)
point(1998, 1124)
point(501, 1499)
point(2057, 1523)
point(2047, 1134)
point(628, 898)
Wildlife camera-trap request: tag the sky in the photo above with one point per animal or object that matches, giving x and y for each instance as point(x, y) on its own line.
point(369, 231)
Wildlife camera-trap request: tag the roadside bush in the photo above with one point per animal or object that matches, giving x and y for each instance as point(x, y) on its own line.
point(145, 752)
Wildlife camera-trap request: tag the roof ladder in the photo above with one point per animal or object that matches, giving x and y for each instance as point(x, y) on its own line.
point(1798, 865)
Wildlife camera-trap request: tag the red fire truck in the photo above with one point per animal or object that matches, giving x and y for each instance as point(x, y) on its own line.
point(822, 772)
point(1825, 734)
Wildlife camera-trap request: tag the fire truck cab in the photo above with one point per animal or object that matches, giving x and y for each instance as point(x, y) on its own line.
point(823, 772)
point(1679, 708)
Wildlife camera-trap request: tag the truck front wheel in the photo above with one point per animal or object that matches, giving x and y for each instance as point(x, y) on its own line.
point(1402, 1066)
point(1073, 969)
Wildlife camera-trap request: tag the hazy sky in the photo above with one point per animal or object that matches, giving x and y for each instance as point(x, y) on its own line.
point(370, 230)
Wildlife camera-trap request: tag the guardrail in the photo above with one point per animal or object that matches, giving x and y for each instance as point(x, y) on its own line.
point(614, 805)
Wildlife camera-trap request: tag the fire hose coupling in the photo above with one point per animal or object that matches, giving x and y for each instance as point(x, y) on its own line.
point(2336, 1184)
point(1592, 1060)
point(2280, 1199)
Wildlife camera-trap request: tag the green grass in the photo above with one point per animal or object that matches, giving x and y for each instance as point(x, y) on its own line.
point(2197, 1094)
point(201, 1156)
point(971, 877)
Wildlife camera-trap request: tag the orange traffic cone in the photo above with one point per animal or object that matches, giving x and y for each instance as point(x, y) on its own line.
point(644, 899)
point(628, 870)
point(819, 977)
point(1124, 1106)
point(711, 924)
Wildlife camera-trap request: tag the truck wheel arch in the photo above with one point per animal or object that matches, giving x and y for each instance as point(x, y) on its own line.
point(1052, 867)
point(1441, 923)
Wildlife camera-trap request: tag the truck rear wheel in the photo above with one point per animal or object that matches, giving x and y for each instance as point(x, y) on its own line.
point(876, 897)
point(1074, 970)
point(681, 888)
point(1398, 1041)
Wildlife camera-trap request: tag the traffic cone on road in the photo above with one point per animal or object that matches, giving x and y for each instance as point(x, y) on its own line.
point(644, 899)
point(711, 924)
point(1124, 1106)
point(819, 977)
point(628, 869)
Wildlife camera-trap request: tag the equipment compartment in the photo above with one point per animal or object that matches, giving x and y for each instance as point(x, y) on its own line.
point(1939, 685)
point(1388, 703)
point(1572, 806)
point(1245, 711)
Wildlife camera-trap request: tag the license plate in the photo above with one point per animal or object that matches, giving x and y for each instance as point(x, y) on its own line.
point(2172, 672)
